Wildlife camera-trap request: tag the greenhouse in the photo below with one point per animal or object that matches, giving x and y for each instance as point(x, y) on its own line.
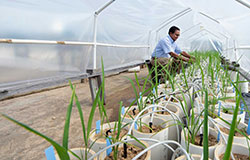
point(125, 80)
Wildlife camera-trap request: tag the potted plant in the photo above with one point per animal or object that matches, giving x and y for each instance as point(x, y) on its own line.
point(240, 152)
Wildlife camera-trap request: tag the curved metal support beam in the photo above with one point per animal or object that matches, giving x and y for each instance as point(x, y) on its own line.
point(213, 19)
point(244, 2)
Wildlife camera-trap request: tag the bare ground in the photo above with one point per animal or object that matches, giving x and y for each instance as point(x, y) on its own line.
point(46, 111)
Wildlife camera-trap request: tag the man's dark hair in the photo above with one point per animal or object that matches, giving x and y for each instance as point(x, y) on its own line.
point(173, 29)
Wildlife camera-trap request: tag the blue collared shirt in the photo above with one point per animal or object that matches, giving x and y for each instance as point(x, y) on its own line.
point(164, 47)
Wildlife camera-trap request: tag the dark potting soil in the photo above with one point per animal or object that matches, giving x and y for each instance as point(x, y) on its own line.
point(164, 113)
point(227, 110)
point(211, 140)
point(230, 100)
point(131, 114)
point(131, 153)
point(102, 137)
point(155, 128)
point(225, 130)
point(237, 157)
point(171, 100)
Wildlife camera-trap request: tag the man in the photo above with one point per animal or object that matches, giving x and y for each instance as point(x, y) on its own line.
point(168, 53)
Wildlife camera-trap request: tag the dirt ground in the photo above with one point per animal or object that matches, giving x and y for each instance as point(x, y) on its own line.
point(45, 111)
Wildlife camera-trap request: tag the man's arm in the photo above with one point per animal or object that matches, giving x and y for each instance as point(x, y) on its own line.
point(175, 55)
point(187, 55)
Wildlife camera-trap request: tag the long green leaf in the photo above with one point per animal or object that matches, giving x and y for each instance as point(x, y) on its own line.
point(67, 121)
point(205, 131)
point(119, 122)
point(61, 151)
point(233, 125)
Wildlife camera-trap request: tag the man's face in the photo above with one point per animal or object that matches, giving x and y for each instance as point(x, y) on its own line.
point(175, 35)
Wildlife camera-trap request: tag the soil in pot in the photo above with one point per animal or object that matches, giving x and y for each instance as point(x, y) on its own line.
point(171, 100)
point(133, 113)
point(164, 113)
point(225, 130)
point(227, 111)
point(230, 100)
point(211, 140)
point(132, 151)
point(237, 157)
point(102, 137)
point(153, 129)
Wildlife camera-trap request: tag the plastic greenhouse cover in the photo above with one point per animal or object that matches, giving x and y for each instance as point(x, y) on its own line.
point(126, 28)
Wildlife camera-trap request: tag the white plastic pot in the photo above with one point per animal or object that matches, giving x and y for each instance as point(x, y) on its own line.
point(80, 152)
point(243, 85)
point(233, 75)
point(194, 156)
point(195, 149)
point(135, 143)
point(236, 149)
point(172, 129)
point(101, 143)
point(230, 116)
point(210, 124)
point(173, 122)
point(128, 119)
point(237, 139)
point(159, 152)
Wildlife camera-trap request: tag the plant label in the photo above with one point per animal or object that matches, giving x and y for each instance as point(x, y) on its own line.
point(135, 126)
point(49, 152)
point(218, 137)
point(248, 127)
point(123, 110)
point(108, 142)
point(241, 108)
point(219, 108)
point(98, 126)
point(140, 96)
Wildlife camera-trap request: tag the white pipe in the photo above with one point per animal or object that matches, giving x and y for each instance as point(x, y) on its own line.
point(204, 14)
point(160, 143)
point(122, 46)
point(94, 41)
point(153, 106)
point(174, 17)
point(105, 6)
point(191, 28)
point(31, 41)
point(244, 2)
point(128, 140)
point(149, 48)
point(95, 30)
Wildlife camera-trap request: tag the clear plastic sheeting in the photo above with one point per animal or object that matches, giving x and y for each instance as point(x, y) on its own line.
point(24, 62)
point(126, 33)
point(121, 57)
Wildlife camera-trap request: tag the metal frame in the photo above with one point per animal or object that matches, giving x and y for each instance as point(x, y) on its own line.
point(244, 2)
point(95, 29)
point(206, 15)
point(171, 19)
point(190, 28)
point(30, 41)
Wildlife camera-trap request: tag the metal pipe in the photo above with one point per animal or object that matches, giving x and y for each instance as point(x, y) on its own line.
point(174, 18)
point(177, 14)
point(191, 28)
point(30, 41)
point(105, 6)
point(94, 40)
point(149, 48)
point(215, 20)
point(95, 30)
point(245, 3)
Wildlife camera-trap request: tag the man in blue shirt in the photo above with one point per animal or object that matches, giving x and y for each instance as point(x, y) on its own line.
point(168, 53)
